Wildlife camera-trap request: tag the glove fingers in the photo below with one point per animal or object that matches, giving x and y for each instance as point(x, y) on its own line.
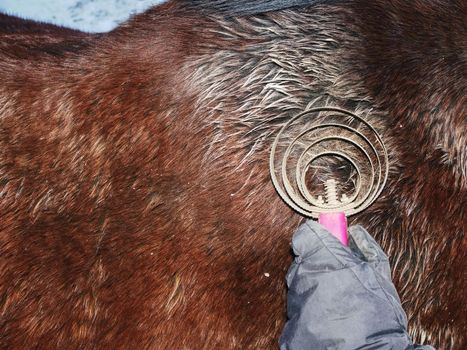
point(313, 240)
point(367, 244)
point(371, 250)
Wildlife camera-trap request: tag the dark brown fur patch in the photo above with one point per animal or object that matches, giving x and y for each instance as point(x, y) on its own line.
point(136, 209)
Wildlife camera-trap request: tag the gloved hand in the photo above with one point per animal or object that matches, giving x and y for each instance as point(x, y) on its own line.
point(342, 297)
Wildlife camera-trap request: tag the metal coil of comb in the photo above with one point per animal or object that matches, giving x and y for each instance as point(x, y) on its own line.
point(329, 151)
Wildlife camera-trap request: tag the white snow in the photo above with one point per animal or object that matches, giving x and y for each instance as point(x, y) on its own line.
point(87, 15)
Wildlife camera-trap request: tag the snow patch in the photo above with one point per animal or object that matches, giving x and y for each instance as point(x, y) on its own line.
point(86, 15)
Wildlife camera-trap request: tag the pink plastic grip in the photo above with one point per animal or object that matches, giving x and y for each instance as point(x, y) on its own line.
point(336, 223)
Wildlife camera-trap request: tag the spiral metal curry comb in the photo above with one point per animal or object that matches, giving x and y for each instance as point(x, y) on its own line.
point(328, 163)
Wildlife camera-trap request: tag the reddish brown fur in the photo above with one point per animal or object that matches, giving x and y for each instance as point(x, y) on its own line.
point(135, 202)
point(11, 25)
point(26, 39)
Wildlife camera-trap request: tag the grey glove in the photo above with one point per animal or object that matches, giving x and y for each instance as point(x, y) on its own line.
point(342, 298)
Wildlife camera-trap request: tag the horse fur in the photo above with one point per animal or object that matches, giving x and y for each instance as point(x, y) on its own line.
point(135, 200)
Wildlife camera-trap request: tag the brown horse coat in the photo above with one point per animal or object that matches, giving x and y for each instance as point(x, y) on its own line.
point(136, 208)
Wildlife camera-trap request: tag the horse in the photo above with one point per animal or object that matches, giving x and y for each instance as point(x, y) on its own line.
point(136, 205)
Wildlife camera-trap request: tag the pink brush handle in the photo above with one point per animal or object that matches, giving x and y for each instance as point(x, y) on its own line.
point(336, 223)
